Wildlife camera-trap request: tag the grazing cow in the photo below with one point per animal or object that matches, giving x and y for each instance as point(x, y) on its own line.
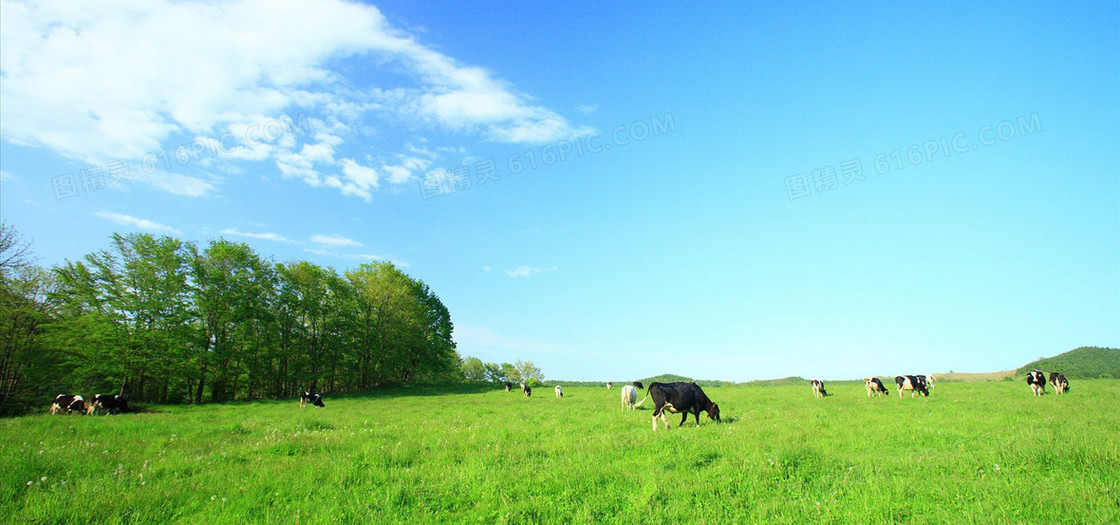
point(111, 403)
point(1059, 382)
point(686, 398)
point(608, 385)
point(629, 396)
point(528, 390)
point(1037, 381)
point(314, 399)
point(911, 383)
point(929, 382)
point(638, 385)
point(874, 386)
point(559, 391)
point(69, 403)
point(818, 388)
point(509, 386)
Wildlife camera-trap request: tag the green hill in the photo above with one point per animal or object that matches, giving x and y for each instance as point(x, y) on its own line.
point(1087, 362)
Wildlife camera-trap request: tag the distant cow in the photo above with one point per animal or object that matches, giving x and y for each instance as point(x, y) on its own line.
point(929, 382)
point(528, 390)
point(1059, 382)
point(638, 385)
point(608, 385)
point(874, 386)
point(68, 403)
point(911, 383)
point(629, 396)
point(314, 399)
point(509, 386)
point(818, 388)
point(1037, 381)
point(559, 391)
point(685, 398)
point(110, 403)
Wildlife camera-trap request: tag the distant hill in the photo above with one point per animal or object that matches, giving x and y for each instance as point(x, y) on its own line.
point(1087, 362)
point(792, 380)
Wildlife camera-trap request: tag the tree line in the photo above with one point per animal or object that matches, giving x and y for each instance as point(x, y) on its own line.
point(168, 321)
point(477, 371)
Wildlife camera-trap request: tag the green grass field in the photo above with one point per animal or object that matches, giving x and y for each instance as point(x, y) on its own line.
point(972, 452)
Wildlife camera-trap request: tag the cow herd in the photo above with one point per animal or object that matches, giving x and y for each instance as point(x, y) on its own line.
point(1036, 379)
point(678, 398)
point(922, 384)
point(101, 403)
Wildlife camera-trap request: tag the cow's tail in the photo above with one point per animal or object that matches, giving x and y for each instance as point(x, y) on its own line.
point(642, 401)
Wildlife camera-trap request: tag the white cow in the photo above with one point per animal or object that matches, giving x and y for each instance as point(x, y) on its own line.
point(629, 396)
point(559, 391)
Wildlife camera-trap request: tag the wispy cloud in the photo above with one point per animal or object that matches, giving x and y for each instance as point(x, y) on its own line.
point(333, 241)
point(138, 223)
point(527, 271)
point(263, 236)
point(237, 65)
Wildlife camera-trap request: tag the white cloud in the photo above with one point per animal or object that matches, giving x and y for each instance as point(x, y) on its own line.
point(526, 271)
point(140, 224)
point(78, 81)
point(333, 241)
point(263, 236)
point(176, 184)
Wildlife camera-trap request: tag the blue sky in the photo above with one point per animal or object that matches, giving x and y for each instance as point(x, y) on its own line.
point(612, 192)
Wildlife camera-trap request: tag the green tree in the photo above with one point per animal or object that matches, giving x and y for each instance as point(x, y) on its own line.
point(473, 369)
point(25, 311)
point(529, 372)
point(128, 314)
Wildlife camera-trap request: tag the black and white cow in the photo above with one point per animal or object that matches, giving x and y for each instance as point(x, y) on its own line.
point(559, 391)
point(66, 404)
point(110, 403)
point(1059, 382)
point(509, 386)
point(638, 385)
point(609, 384)
point(911, 383)
point(874, 386)
point(1037, 381)
point(527, 389)
point(818, 388)
point(314, 399)
point(680, 397)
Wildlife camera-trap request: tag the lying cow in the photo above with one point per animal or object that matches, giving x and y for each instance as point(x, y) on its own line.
point(629, 396)
point(559, 391)
point(110, 403)
point(684, 398)
point(818, 388)
point(1059, 382)
point(1037, 381)
point(69, 403)
point(314, 399)
point(638, 385)
point(874, 386)
point(911, 383)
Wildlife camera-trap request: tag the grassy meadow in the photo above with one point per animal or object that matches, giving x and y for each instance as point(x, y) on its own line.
point(985, 452)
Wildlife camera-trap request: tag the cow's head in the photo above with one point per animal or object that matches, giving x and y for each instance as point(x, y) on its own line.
point(713, 413)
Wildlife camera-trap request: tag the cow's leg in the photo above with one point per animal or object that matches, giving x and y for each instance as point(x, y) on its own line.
point(683, 419)
point(655, 423)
